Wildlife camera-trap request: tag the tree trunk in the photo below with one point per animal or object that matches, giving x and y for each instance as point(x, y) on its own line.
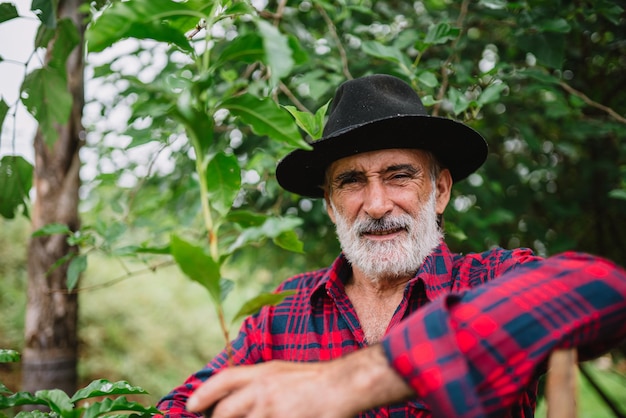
point(51, 345)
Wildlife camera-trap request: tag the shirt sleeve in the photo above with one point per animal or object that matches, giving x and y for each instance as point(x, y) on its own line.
point(471, 354)
point(245, 350)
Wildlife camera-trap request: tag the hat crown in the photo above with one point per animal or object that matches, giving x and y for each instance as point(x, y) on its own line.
point(367, 99)
point(379, 112)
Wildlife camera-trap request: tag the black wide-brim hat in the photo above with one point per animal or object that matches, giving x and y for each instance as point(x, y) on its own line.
point(374, 113)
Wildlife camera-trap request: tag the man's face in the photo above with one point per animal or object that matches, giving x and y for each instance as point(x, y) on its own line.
point(385, 205)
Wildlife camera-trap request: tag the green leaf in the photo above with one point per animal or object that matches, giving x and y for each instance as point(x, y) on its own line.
point(559, 25)
point(67, 38)
point(226, 286)
point(76, 267)
point(9, 356)
point(272, 228)
point(45, 95)
point(105, 407)
point(428, 78)
point(246, 48)
point(440, 34)
point(4, 390)
point(491, 93)
point(539, 75)
point(16, 179)
point(52, 229)
point(58, 400)
point(288, 240)
point(494, 4)
point(388, 53)
point(253, 305)
point(459, 101)
point(136, 249)
point(313, 125)
point(33, 414)
point(246, 218)
point(610, 10)
point(103, 387)
point(4, 108)
point(266, 118)
point(141, 19)
point(44, 9)
point(198, 266)
point(19, 399)
point(548, 47)
point(223, 176)
point(277, 51)
point(618, 194)
point(8, 11)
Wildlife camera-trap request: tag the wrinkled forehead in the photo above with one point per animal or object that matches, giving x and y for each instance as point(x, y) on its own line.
point(378, 161)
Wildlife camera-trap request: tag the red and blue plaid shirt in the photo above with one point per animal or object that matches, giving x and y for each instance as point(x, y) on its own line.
point(466, 353)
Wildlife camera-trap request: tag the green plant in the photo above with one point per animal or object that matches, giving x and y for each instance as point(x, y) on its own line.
point(81, 404)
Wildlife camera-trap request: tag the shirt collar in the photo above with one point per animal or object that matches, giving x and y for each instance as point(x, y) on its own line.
point(435, 272)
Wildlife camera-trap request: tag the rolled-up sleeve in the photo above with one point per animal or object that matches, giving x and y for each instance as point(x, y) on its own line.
point(471, 354)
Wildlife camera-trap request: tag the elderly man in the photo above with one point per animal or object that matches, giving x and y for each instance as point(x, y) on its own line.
point(410, 329)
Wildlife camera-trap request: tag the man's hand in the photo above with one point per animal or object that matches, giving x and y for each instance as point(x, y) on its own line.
point(334, 389)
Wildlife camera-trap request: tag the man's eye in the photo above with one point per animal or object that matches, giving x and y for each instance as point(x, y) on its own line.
point(401, 176)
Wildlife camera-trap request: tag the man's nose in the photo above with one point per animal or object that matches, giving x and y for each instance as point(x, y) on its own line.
point(377, 201)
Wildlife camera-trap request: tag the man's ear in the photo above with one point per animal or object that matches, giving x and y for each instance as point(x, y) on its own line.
point(329, 209)
point(444, 189)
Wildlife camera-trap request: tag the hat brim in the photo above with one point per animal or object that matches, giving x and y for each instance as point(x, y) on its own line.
point(457, 147)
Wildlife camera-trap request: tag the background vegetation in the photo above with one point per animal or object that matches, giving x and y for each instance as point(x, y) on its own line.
point(542, 81)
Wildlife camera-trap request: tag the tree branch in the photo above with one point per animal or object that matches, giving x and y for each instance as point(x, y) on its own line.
point(592, 103)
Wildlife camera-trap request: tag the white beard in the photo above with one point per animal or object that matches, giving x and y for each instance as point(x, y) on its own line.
point(401, 256)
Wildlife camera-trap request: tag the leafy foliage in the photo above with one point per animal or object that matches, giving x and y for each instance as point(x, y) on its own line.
point(60, 404)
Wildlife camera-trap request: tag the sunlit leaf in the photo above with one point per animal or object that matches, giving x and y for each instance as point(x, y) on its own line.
point(428, 78)
point(389, 53)
point(266, 118)
point(223, 176)
point(247, 48)
point(313, 125)
point(618, 194)
point(253, 305)
point(197, 265)
point(288, 240)
point(9, 356)
point(141, 19)
point(16, 178)
point(105, 407)
point(45, 95)
point(103, 387)
point(494, 4)
point(271, 228)
point(20, 399)
point(491, 93)
point(441, 33)
point(277, 52)
point(58, 400)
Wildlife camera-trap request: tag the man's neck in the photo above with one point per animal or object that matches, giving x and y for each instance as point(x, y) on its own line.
point(381, 286)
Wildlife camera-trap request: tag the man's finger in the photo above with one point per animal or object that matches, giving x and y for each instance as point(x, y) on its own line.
point(219, 386)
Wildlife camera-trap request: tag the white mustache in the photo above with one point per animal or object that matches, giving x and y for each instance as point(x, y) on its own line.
point(387, 223)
